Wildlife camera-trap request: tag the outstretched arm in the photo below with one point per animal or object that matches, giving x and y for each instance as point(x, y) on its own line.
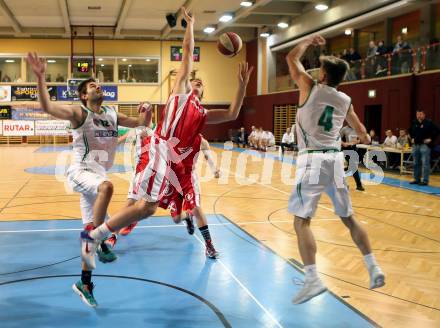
point(182, 84)
point(144, 119)
point(299, 75)
point(224, 115)
point(355, 123)
point(73, 113)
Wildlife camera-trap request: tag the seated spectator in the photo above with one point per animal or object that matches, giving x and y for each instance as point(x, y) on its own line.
point(242, 137)
point(381, 59)
point(259, 138)
point(267, 140)
point(252, 137)
point(374, 137)
point(355, 63)
point(6, 78)
point(288, 140)
point(59, 78)
point(390, 140)
point(403, 139)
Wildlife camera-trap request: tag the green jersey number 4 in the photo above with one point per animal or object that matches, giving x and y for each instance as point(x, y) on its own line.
point(326, 119)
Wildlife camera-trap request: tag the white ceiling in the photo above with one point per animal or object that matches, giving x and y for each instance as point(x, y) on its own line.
point(138, 18)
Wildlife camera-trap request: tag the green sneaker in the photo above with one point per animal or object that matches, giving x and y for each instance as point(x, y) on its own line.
point(85, 292)
point(106, 255)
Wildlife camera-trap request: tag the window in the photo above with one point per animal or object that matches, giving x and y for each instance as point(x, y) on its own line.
point(57, 69)
point(140, 70)
point(10, 69)
point(104, 69)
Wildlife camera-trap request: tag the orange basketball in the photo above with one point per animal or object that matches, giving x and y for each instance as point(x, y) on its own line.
point(229, 44)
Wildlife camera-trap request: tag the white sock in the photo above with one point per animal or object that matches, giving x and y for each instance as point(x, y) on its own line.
point(101, 232)
point(311, 272)
point(370, 260)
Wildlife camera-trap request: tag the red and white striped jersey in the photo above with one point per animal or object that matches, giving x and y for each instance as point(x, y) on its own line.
point(183, 118)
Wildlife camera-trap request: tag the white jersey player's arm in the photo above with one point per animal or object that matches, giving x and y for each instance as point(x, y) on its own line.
point(355, 123)
point(144, 118)
point(224, 115)
point(182, 84)
point(72, 113)
point(299, 75)
point(204, 147)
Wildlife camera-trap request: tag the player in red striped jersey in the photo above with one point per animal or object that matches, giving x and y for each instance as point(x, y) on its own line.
point(162, 165)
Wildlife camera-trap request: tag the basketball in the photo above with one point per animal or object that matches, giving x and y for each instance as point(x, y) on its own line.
point(229, 44)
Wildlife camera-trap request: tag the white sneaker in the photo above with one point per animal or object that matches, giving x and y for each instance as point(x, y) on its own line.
point(310, 289)
point(88, 249)
point(377, 277)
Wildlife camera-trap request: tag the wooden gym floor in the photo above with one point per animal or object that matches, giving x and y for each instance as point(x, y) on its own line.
point(403, 225)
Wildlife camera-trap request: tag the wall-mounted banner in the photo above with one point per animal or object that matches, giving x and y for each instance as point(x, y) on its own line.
point(18, 128)
point(5, 93)
point(110, 93)
point(51, 128)
point(30, 93)
point(5, 112)
point(29, 112)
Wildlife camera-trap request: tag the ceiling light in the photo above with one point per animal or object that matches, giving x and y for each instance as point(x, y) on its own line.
point(246, 3)
point(148, 59)
point(265, 34)
point(226, 18)
point(404, 30)
point(100, 59)
point(10, 61)
point(283, 25)
point(209, 29)
point(130, 65)
point(124, 59)
point(347, 31)
point(51, 61)
point(102, 65)
point(321, 6)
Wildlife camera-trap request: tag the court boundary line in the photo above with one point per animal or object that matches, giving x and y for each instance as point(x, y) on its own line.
point(266, 311)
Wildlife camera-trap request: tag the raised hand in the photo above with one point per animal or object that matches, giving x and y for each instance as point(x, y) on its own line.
point(244, 73)
point(318, 40)
point(37, 64)
point(189, 18)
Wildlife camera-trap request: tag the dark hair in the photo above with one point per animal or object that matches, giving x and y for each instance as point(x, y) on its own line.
point(420, 110)
point(335, 69)
point(82, 89)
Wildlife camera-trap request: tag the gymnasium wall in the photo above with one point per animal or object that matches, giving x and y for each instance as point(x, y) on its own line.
point(219, 73)
point(399, 97)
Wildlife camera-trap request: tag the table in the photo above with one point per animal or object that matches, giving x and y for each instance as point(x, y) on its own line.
point(400, 151)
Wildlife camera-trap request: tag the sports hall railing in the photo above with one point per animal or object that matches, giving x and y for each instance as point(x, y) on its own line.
point(405, 61)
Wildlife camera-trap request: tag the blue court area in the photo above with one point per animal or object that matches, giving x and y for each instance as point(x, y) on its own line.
point(394, 182)
point(161, 279)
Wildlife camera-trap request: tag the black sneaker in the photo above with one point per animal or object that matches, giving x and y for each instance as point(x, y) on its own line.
point(210, 250)
point(415, 182)
point(360, 188)
point(189, 224)
point(423, 183)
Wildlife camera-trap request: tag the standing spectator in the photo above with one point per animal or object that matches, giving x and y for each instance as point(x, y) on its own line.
point(355, 63)
point(423, 133)
point(381, 59)
point(350, 139)
point(402, 55)
point(370, 60)
point(390, 140)
point(288, 140)
point(242, 137)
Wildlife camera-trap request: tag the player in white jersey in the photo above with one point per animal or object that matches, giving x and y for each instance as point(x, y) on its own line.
point(320, 163)
point(95, 132)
